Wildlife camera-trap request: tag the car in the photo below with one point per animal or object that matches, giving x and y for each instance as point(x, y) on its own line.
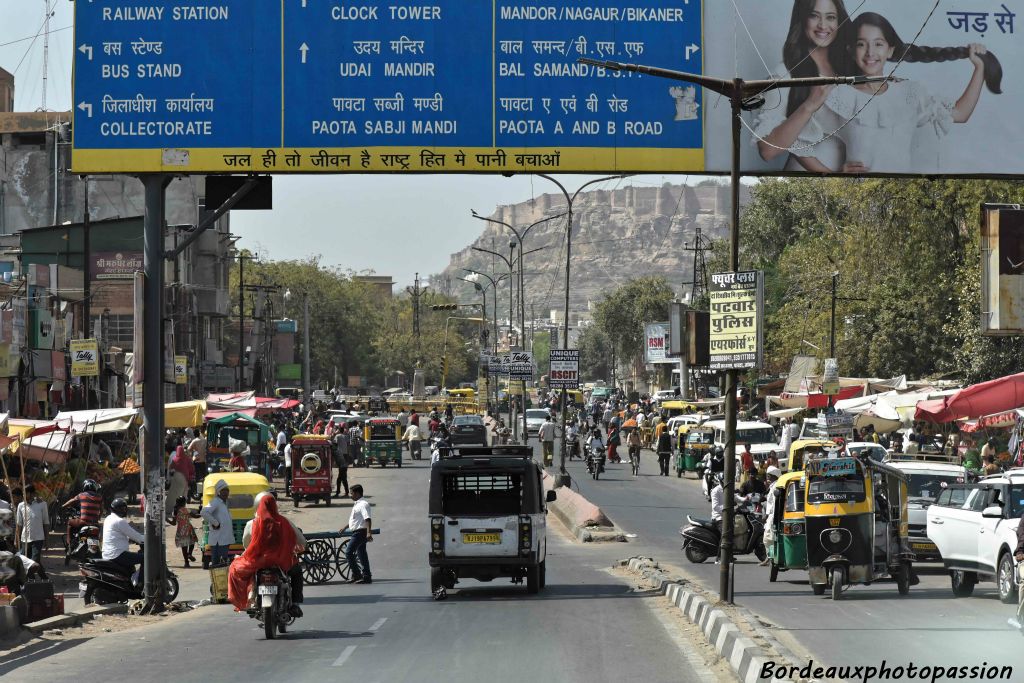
point(872, 449)
point(468, 429)
point(977, 539)
point(535, 417)
point(926, 481)
point(488, 518)
point(665, 395)
point(760, 436)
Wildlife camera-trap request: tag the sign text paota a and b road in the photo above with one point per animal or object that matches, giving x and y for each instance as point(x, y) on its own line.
point(336, 86)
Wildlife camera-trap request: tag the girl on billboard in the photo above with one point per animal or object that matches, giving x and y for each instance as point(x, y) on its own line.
point(877, 122)
point(814, 47)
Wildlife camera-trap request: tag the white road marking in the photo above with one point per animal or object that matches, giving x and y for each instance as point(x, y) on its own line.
point(345, 654)
point(377, 624)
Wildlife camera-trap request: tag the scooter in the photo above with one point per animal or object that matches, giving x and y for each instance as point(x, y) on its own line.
point(702, 539)
point(572, 447)
point(272, 603)
point(107, 581)
point(595, 459)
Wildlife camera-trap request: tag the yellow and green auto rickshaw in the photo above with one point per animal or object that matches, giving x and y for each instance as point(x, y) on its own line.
point(786, 542)
point(799, 450)
point(856, 524)
point(243, 487)
point(694, 443)
point(382, 442)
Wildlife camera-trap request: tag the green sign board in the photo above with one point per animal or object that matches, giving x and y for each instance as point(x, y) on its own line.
point(289, 371)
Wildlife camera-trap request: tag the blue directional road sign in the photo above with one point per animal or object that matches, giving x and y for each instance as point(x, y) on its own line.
point(384, 86)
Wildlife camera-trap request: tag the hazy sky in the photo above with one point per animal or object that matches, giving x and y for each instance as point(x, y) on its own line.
point(394, 225)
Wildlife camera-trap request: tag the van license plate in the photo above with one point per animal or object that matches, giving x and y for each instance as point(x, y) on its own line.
point(482, 538)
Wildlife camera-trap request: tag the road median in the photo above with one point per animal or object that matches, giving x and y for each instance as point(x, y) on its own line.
point(586, 521)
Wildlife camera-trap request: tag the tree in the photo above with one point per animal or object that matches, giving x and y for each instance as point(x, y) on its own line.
point(595, 354)
point(622, 314)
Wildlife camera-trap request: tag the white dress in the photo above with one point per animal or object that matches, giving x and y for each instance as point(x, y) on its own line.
point(773, 114)
point(896, 131)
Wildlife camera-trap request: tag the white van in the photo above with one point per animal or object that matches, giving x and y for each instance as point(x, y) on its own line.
point(760, 436)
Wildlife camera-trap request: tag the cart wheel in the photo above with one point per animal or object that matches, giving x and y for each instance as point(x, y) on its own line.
point(316, 562)
point(818, 588)
point(341, 561)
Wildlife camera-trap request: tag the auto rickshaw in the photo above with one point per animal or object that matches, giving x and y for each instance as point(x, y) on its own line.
point(788, 547)
point(382, 442)
point(311, 468)
point(698, 441)
point(243, 487)
point(856, 523)
point(240, 427)
point(800, 448)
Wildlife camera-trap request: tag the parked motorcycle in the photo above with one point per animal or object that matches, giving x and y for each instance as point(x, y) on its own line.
point(702, 538)
point(272, 603)
point(595, 460)
point(107, 581)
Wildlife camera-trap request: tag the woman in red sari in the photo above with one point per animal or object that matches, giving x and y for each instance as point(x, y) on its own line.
point(273, 545)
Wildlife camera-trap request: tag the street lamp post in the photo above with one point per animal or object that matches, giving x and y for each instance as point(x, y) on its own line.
point(563, 476)
point(494, 290)
point(743, 95)
point(307, 397)
point(444, 355)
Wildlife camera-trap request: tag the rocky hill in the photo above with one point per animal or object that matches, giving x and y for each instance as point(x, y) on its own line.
point(617, 235)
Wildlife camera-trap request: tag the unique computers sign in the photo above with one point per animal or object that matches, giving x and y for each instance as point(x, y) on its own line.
point(338, 86)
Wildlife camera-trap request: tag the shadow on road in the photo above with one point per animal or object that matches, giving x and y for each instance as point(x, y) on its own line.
point(314, 634)
point(35, 652)
point(470, 592)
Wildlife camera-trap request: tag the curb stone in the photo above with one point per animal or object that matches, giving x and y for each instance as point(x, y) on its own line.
point(592, 528)
point(74, 618)
point(745, 657)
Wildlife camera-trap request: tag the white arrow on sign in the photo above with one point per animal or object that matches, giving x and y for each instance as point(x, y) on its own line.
point(86, 50)
point(691, 49)
point(304, 49)
point(87, 108)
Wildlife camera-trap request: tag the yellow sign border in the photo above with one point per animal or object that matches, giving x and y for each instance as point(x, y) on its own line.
point(388, 160)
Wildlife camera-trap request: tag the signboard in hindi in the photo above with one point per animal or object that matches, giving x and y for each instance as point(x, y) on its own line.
point(737, 310)
point(181, 369)
point(452, 86)
point(115, 265)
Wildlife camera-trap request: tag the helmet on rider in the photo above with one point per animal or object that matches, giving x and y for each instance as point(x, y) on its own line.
point(90, 485)
point(119, 506)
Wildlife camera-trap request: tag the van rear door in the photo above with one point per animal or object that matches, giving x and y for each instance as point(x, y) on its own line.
point(481, 513)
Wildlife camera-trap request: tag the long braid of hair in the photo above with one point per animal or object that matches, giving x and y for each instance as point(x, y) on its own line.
point(923, 54)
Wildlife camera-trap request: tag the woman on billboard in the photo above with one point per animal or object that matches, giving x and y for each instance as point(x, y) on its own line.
point(884, 126)
point(813, 45)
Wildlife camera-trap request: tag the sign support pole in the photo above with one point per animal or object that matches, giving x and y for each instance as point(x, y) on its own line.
point(152, 392)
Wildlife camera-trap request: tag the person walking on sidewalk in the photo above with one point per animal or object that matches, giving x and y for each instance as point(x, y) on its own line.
point(184, 533)
point(359, 523)
point(546, 434)
point(341, 461)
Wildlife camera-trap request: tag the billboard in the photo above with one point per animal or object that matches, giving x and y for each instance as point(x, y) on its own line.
point(1002, 270)
point(458, 86)
point(386, 86)
point(565, 369)
point(656, 343)
point(85, 358)
point(737, 325)
point(115, 265)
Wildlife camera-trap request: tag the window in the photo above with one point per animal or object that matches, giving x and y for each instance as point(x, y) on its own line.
point(484, 493)
point(928, 486)
point(978, 500)
point(794, 497)
point(754, 435)
point(1016, 501)
point(843, 489)
point(382, 431)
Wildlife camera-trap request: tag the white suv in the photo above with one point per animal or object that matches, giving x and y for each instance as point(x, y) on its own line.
point(977, 539)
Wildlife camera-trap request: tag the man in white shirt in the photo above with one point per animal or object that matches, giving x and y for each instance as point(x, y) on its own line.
point(287, 469)
point(218, 516)
point(33, 519)
point(359, 524)
point(546, 434)
point(118, 534)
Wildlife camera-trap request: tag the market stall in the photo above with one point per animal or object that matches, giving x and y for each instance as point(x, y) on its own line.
point(184, 414)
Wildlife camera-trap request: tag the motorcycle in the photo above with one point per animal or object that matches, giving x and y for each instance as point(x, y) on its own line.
point(107, 581)
point(272, 603)
point(702, 538)
point(595, 459)
point(84, 544)
point(572, 447)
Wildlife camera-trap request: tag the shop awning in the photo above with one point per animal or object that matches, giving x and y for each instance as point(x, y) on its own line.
point(988, 398)
point(52, 447)
point(99, 421)
point(998, 421)
point(184, 414)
